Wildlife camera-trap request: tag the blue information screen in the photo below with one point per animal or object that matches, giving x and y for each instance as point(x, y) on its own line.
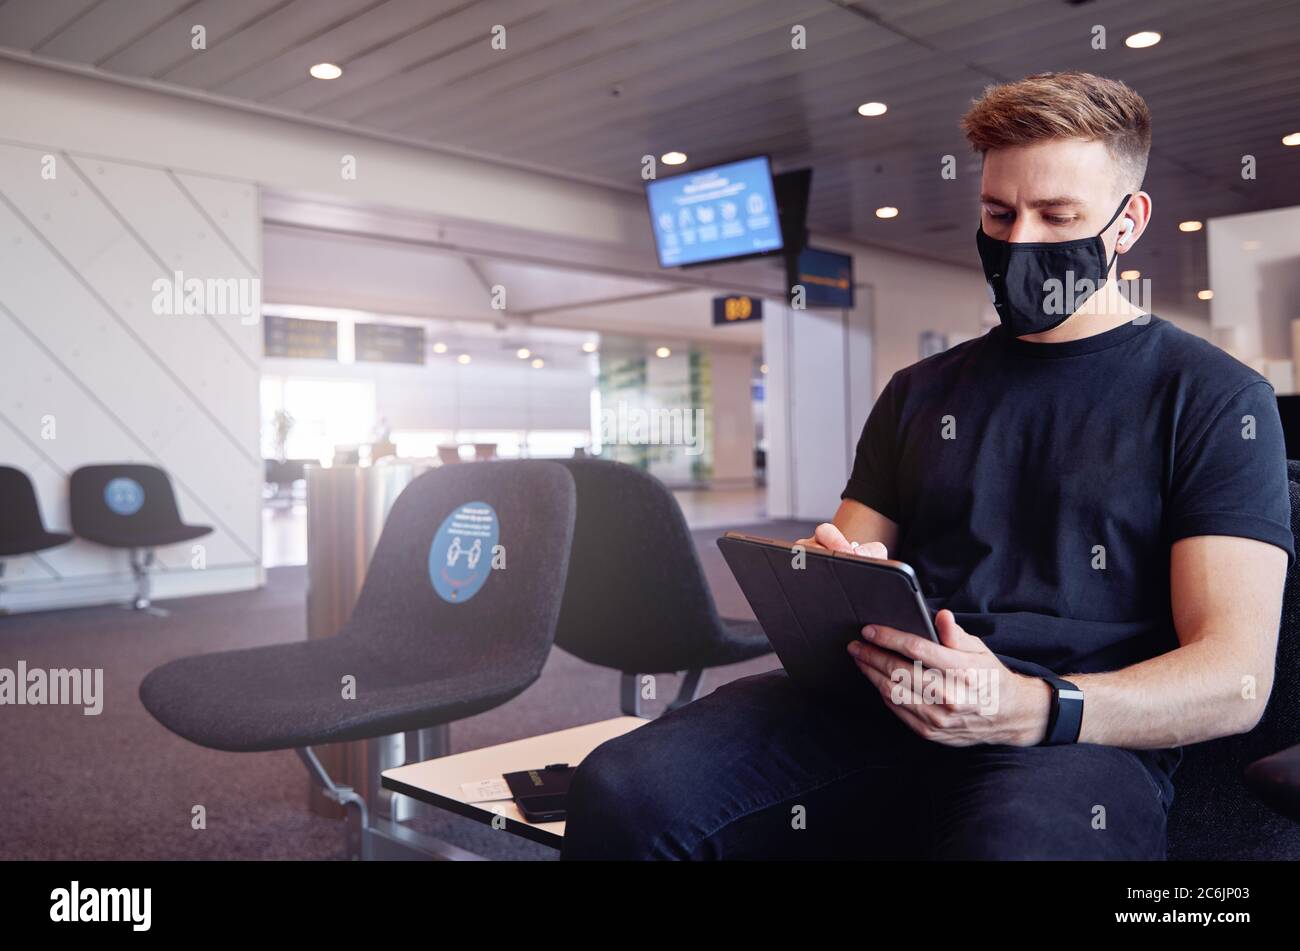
point(727, 211)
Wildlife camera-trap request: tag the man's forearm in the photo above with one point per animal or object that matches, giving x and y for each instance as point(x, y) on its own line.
point(1197, 692)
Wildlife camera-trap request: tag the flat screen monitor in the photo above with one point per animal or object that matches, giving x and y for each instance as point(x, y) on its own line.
point(716, 214)
point(826, 277)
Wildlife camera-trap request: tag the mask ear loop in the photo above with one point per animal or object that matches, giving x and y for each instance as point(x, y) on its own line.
point(1106, 227)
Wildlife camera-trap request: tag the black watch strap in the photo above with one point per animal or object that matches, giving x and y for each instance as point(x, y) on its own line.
point(1066, 717)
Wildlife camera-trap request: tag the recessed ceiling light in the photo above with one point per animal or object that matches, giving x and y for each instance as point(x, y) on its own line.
point(439, 347)
point(673, 158)
point(889, 211)
point(1130, 275)
point(1206, 294)
point(589, 347)
point(1190, 225)
point(325, 71)
point(538, 363)
point(1252, 245)
point(1291, 139)
point(872, 109)
point(663, 352)
point(523, 353)
point(1140, 41)
point(463, 358)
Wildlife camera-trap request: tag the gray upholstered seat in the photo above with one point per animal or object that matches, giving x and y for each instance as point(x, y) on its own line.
point(1215, 815)
point(22, 532)
point(418, 659)
point(636, 599)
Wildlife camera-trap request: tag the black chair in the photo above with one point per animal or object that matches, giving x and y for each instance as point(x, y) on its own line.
point(21, 530)
point(636, 598)
point(133, 507)
point(1221, 794)
point(418, 659)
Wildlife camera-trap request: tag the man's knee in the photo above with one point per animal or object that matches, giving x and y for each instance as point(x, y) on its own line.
point(613, 805)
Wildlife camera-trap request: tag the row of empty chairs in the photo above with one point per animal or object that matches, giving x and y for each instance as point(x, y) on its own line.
point(124, 506)
point(598, 559)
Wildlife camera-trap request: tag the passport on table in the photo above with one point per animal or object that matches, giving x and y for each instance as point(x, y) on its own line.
point(540, 793)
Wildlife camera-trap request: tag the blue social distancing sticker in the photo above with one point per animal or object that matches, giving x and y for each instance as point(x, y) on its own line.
point(124, 496)
point(460, 558)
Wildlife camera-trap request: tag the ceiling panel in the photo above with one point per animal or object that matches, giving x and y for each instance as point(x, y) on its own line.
point(107, 27)
point(170, 43)
point(586, 88)
point(27, 26)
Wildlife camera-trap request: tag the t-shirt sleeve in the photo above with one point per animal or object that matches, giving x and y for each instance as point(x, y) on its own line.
point(1231, 478)
point(873, 481)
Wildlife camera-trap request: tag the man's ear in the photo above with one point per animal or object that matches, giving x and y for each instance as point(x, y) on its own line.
point(1135, 220)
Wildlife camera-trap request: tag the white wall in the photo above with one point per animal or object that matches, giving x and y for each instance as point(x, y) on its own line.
point(819, 372)
point(90, 374)
point(826, 368)
point(731, 375)
point(1255, 276)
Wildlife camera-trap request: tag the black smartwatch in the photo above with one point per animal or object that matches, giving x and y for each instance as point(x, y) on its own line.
point(1066, 717)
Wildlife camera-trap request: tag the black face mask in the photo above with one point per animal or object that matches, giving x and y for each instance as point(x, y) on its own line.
point(1037, 285)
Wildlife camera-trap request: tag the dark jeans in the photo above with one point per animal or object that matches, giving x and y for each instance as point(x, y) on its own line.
point(760, 769)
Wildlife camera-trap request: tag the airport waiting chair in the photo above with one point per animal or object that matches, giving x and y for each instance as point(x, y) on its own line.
point(1223, 789)
point(130, 506)
point(22, 532)
point(636, 598)
point(446, 626)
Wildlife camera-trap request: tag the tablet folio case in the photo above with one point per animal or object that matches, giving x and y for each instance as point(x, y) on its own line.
point(811, 613)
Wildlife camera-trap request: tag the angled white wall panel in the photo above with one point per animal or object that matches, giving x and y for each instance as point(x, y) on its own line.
point(80, 344)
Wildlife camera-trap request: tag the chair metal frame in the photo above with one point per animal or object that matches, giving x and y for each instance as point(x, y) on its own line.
point(374, 832)
point(629, 692)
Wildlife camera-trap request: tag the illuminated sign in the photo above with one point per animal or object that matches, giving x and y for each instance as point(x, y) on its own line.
point(737, 309)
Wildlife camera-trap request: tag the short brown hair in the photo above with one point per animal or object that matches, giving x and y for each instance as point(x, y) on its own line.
point(1064, 106)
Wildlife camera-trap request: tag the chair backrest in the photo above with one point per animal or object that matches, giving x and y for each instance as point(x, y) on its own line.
point(1214, 815)
point(469, 570)
point(20, 514)
point(112, 504)
point(636, 598)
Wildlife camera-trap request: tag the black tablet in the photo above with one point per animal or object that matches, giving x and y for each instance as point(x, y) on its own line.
point(812, 603)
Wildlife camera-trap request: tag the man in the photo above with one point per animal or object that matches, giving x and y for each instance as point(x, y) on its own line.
point(1097, 503)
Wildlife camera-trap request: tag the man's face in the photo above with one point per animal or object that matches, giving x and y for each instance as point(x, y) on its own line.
point(1057, 190)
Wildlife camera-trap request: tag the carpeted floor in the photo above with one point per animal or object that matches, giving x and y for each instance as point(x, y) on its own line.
point(120, 786)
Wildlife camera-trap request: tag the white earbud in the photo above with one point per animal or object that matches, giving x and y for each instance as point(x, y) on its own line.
point(1126, 235)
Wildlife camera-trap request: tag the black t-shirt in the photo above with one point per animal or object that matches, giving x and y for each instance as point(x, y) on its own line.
point(1038, 487)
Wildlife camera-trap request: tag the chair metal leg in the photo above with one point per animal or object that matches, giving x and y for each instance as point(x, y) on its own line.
point(358, 817)
point(371, 837)
point(142, 561)
point(689, 690)
point(629, 694)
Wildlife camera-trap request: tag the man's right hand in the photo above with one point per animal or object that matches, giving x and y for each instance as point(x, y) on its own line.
point(830, 537)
